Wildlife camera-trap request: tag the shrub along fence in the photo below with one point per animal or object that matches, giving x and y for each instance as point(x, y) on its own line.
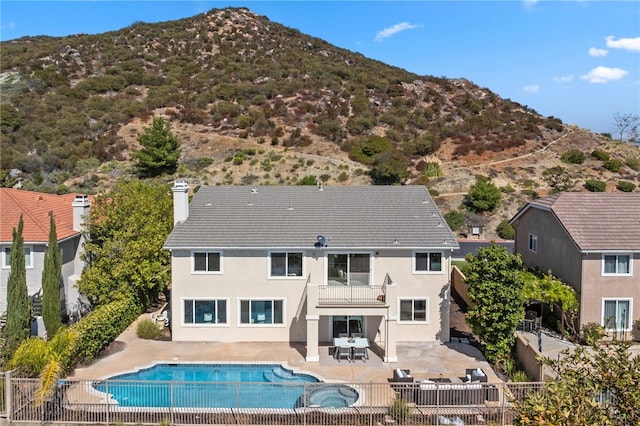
point(215, 403)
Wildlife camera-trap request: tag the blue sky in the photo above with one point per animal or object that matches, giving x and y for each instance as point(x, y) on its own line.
point(576, 60)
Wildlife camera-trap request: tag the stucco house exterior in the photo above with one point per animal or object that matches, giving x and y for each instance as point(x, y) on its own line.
point(590, 241)
point(69, 211)
point(306, 264)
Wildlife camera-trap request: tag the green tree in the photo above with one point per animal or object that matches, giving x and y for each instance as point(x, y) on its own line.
point(49, 360)
point(18, 326)
point(308, 180)
point(51, 275)
point(160, 149)
point(389, 168)
point(599, 385)
point(505, 230)
point(128, 228)
point(483, 195)
point(495, 290)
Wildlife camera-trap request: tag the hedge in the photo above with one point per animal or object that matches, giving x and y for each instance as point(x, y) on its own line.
point(102, 326)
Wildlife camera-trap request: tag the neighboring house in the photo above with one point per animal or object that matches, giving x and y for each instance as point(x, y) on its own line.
point(306, 264)
point(590, 241)
point(69, 211)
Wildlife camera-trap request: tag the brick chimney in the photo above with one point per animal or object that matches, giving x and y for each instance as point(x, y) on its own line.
point(81, 205)
point(180, 201)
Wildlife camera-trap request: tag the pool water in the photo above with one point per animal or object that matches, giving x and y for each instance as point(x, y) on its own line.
point(223, 386)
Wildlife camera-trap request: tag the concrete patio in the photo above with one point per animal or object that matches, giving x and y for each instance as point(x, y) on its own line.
point(428, 359)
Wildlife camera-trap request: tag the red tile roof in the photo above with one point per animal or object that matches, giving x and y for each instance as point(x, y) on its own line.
point(597, 221)
point(35, 208)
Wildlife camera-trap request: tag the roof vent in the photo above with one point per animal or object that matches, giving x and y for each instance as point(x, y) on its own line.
point(289, 208)
point(254, 190)
point(396, 242)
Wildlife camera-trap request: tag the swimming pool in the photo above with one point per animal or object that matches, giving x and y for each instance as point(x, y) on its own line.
point(224, 386)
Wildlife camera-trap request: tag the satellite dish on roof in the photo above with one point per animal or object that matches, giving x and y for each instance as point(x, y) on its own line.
point(321, 241)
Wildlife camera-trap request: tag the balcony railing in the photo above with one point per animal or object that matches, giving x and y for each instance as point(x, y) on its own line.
point(357, 294)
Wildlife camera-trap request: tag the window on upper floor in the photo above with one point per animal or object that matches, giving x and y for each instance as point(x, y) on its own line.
point(286, 264)
point(205, 311)
point(261, 312)
point(28, 258)
point(349, 269)
point(616, 314)
point(533, 243)
point(413, 310)
point(207, 262)
point(424, 262)
point(616, 264)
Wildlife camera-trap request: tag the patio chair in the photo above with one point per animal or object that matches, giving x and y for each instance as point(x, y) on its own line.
point(356, 335)
point(360, 353)
point(343, 334)
point(343, 351)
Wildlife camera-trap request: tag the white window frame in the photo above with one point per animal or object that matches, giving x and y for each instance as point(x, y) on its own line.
point(206, 324)
point(428, 271)
point(617, 274)
point(533, 243)
point(257, 324)
point(6, 257)
point(286, 275)
point(629, 314)
point(193, 262)
point(413, 300)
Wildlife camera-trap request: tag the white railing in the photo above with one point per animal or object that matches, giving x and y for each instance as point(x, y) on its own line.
point(336, 295)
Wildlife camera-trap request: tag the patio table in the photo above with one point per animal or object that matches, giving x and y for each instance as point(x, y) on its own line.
point(346, 342)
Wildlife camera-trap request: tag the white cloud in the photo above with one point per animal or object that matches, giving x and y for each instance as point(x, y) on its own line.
point(632, 44)
point(11, 25)
point(533, 88)
point(529, 3)
point(598, 52)
point(563, 79)
point(388, 32)
point(604, 75)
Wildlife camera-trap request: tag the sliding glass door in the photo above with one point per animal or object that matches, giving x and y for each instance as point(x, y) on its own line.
point(348, 325)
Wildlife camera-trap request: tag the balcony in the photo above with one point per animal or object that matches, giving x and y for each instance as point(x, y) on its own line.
point(349, 295)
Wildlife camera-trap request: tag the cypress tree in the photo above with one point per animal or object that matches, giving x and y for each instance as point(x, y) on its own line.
point(18, 327)
point(51, 275)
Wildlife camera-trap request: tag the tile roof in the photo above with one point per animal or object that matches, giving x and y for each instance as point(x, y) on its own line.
point(293, 216)
point(597, 221)
point(35, 208)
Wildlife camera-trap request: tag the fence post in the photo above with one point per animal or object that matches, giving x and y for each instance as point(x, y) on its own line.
point(171, 402)
point(8, 401)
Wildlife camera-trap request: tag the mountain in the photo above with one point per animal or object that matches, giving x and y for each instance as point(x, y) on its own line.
point(254, 102)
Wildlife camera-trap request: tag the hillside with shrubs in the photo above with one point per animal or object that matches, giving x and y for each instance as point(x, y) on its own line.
point(253, 102)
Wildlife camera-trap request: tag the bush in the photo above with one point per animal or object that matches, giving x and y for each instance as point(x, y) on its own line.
point(613, 165)
point(600, 155)
point(625, 186)
point(483, 195)
point(594, 185)
point(400, 410)
point(633, 164)
point(505, 230)
point(147, 329)
point(573, 156)
point(102, 326)
point(455, 219)
point(592, 332)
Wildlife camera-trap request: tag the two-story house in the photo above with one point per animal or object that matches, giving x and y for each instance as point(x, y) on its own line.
point(590, 241)
point(69, 211)
point(307, 264)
